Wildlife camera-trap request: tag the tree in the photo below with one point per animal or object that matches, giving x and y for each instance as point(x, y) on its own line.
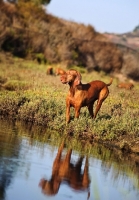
point(38, 2)
point(136, 28)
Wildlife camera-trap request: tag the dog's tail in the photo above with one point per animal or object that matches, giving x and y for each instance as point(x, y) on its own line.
point(108, 84)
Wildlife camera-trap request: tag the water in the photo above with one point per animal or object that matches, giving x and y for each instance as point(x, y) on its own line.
point(31, 168)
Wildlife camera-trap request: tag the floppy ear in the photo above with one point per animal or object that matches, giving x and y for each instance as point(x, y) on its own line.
point(77, 80)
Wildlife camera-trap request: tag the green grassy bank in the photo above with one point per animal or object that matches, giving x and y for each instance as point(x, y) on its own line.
point(29, 95)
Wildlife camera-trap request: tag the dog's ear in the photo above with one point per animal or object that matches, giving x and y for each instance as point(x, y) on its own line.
point(78, 78)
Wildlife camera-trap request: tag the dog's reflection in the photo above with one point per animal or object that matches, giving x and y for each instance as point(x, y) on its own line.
point(65, 171)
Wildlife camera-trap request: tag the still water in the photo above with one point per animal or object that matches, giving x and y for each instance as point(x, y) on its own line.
point(33, 167)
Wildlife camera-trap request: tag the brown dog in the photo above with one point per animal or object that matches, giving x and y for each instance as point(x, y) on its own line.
point(60, 71)
point(49, 71)
point(83, 94)
point(127, 86)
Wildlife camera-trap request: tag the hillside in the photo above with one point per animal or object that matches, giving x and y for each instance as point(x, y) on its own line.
point(27, 31)
point(130, 39)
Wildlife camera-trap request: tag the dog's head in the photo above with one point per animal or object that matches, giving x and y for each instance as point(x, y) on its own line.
point(71, 77)
point(50, 187)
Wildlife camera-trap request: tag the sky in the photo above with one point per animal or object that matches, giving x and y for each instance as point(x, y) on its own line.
point(111, 16)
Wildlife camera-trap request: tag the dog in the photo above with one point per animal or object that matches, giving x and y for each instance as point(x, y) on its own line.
point(127, 86)
point(81, 95)
point(59, 71)
point(49, 70)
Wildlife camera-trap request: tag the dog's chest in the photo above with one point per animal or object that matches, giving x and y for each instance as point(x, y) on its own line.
point(78, 99)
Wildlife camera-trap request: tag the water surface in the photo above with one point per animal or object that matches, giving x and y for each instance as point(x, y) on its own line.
point(35, 168)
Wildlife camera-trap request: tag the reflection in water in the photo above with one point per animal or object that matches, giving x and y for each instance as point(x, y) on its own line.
point(8, 166)
point(64, 170)
point(28, 153)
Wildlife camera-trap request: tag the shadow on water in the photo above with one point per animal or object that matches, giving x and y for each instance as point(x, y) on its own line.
point(31, 155)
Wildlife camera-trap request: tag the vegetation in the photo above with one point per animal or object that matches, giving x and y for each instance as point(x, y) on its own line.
point(136, 28)
point(28, 31)
point(37, 2)
point(29, 95)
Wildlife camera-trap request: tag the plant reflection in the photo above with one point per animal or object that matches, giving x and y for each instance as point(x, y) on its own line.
point(9, 152)
point(64, 171)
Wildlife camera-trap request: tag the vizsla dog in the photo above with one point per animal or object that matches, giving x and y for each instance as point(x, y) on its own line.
point(83, 94)
point(127, 86)
point(60, 71)
point(49, 71)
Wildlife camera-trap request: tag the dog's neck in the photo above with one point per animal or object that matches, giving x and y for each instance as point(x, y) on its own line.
point(74, 88)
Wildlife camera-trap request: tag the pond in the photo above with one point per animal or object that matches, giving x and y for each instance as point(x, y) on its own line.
point(36, 167)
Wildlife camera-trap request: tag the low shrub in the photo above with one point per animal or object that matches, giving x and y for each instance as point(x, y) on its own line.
point(15, 85)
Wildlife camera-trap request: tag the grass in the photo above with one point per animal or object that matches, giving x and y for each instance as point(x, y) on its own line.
point(29, 95)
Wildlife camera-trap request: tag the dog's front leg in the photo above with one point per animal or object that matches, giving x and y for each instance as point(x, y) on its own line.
point(77, 111)
point(67, 111)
